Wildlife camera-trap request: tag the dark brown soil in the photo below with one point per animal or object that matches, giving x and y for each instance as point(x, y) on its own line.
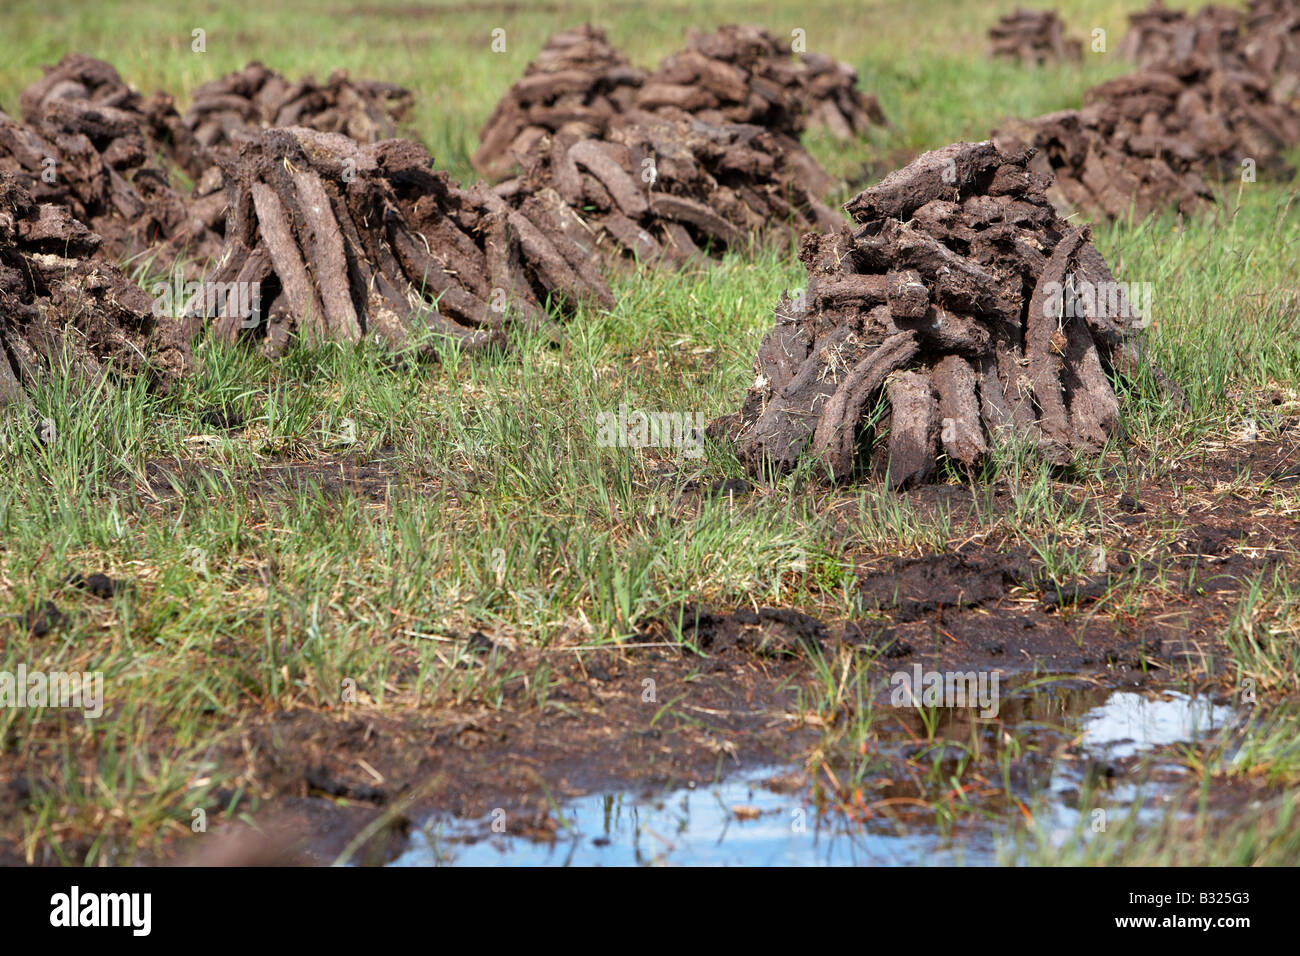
point(994, 607)
point(602, 727)
point(99, 585)
point(916, 587)
point(949, 299)
point(41, 619)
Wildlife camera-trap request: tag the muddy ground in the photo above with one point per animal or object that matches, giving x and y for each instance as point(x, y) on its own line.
point(731, 694)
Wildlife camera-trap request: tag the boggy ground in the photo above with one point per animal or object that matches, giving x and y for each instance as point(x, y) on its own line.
point(704, 692)
point(737, 691)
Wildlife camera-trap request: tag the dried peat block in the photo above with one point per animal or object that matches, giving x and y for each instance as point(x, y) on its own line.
point(80, 86)
point(738, 74)
point(1156, 138)
point(577, 83)
point(92, 144)
point(58, 303)
point(667, 188)
point(346, 240)
point(233, 109)
point(1034, 37)
point(946, 299)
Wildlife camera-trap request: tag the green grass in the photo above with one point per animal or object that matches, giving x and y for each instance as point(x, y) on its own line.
point(492, 505)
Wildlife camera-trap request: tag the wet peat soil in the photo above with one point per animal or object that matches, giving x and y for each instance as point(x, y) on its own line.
point(728, 698)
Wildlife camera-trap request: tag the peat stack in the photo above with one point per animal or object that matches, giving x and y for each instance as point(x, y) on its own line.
point(951, 300)
point(86, 95)
point(1151, 140)
point(1265, 38)
point(576, 85)
point(833, 101)
point(738, 74)
point(343, 240)
point(1272, 46)
point(233, 109)
point(666, 187)
point(1158, 34)
point(744, 74)
point(1034, 37)
point(90, 143)
point(57, 303)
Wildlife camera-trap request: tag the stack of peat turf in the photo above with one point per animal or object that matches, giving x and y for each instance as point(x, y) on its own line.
point(58, 304)
point(344, 240)
point(577, 84)
point(1157, 138)
point(668, 189)
point(92, 144)
point(1034, 38)
point(962, 301)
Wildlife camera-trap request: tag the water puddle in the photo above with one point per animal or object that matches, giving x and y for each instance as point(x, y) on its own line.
point(744, 820)
point(1130, 723)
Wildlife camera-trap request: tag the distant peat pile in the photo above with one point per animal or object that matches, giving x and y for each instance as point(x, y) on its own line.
point(90, 143)
point(670, 189)
point(736, 75)
point(1265, 39)
point(1158, 34)
point(578, 83)
point(745, 74)
point(1159, 138)
point(698, 157)
point(233, 110)
point(1033, 38)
